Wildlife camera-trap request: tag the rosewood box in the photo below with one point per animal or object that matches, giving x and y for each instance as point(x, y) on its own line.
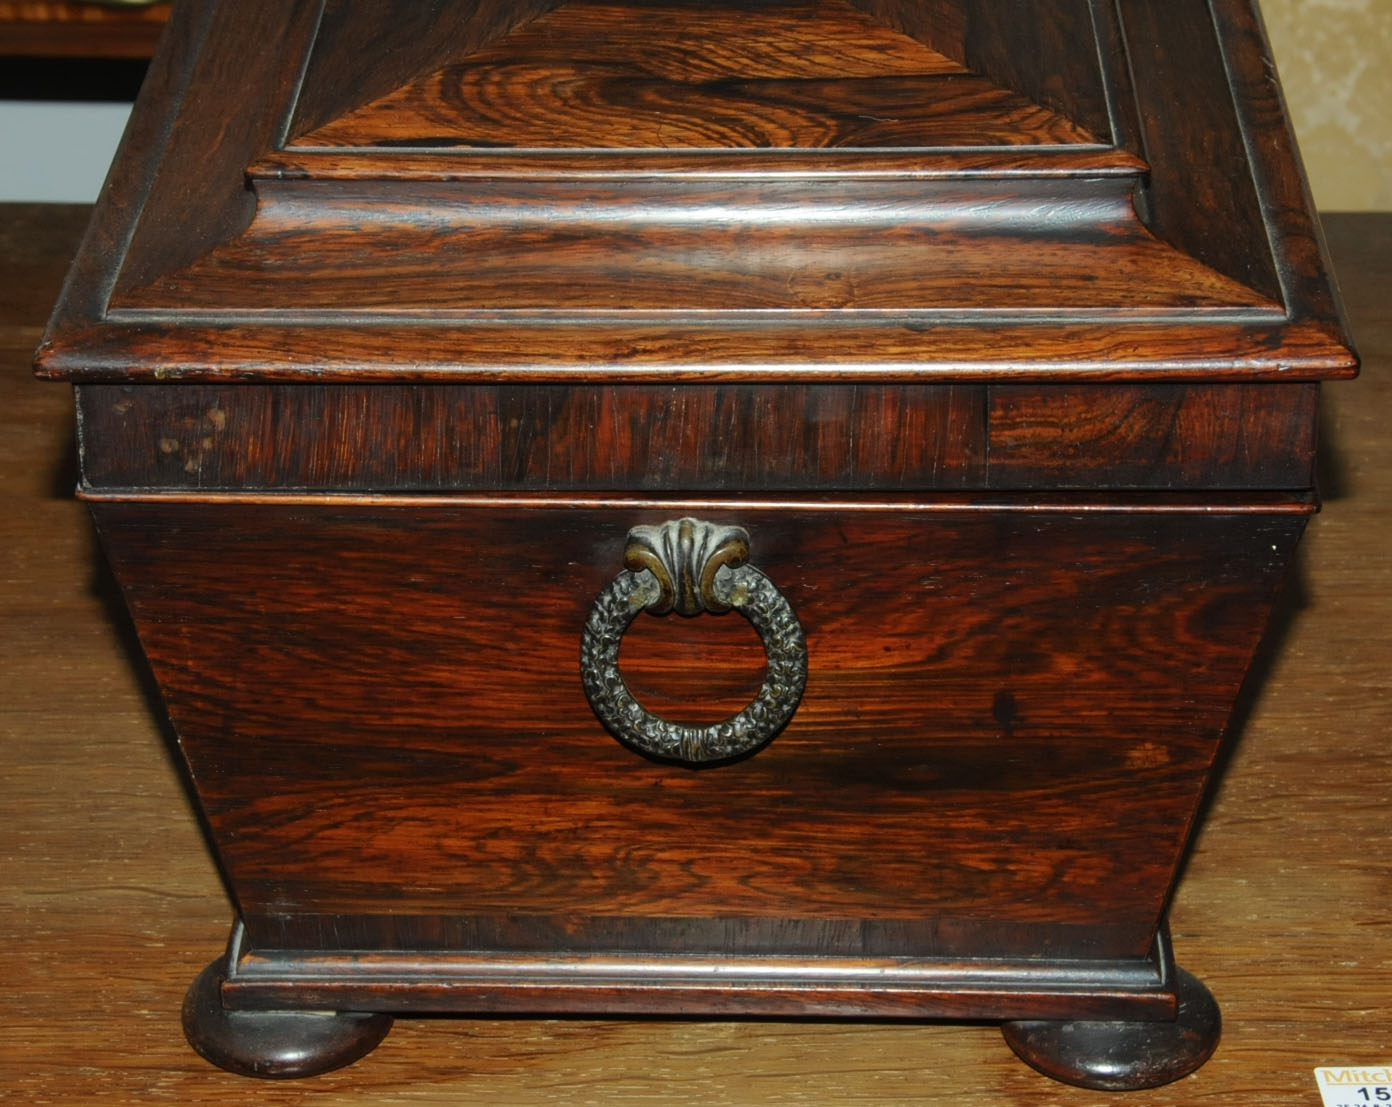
point(744, 507)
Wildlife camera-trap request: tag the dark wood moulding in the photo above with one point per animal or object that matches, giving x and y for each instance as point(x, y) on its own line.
point(700, 438)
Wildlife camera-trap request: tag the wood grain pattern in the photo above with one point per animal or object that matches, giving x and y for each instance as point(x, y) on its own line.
point(363, 51)
point(699, 438)
point(579, 106)
point(1232, 436)
point(685, 41)
point(1023, 692)
point(743, 936)
point(1302, 264)
point(588, 74)
point(160, 153)
point(638, 261)
point(1037, 56)
point(111, 905)
point(1041, 56)
point(41, 28)
point(1041, 162)
point(435, 762)
point(560, 437)
point(1202, 195)
point(561, 248)
point(805, 348)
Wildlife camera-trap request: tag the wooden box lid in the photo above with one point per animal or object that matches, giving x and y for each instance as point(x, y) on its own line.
point(726, 189)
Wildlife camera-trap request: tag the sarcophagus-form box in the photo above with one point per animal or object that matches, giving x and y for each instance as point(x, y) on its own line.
point(445, 371)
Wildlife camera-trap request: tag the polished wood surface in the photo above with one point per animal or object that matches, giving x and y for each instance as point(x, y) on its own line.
point(1017, 692)
point(646, 438)
point(751, 214)
point(411, 735)
point(606, 75)
point(552, 438)
point(111, 905)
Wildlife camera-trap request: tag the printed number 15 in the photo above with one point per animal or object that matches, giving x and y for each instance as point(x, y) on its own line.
point(1376, 1095)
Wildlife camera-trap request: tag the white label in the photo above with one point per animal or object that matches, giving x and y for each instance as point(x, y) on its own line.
point(1355, 1086)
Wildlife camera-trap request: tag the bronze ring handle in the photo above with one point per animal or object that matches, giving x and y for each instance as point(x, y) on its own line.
point(690, 566)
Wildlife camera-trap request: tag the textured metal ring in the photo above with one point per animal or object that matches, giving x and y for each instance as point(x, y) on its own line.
point(689, 566)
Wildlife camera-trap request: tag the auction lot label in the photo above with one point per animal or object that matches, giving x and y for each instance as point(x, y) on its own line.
point(1355, 1085)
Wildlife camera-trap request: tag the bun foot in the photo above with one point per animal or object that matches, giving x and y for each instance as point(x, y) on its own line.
point(274, 1044)
point(1123, 1056)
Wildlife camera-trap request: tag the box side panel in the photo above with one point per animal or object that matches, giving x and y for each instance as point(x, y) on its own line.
point(1009, 718)
point(577, 437)
point(1215, 436)
point(733, 437)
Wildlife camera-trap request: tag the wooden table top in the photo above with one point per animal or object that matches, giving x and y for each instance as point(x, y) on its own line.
point(109, 904)
point(57, 28)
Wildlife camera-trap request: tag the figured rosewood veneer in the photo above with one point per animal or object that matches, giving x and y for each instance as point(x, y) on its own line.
point(966, 355)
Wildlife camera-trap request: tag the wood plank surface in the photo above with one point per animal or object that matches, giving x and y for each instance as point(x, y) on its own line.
point(42, 28)
point(109, 904)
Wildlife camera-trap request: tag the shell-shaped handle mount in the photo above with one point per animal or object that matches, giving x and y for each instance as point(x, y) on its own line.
point(689, 566)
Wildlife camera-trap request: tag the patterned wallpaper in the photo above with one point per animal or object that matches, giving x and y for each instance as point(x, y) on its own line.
point(1335, 61)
